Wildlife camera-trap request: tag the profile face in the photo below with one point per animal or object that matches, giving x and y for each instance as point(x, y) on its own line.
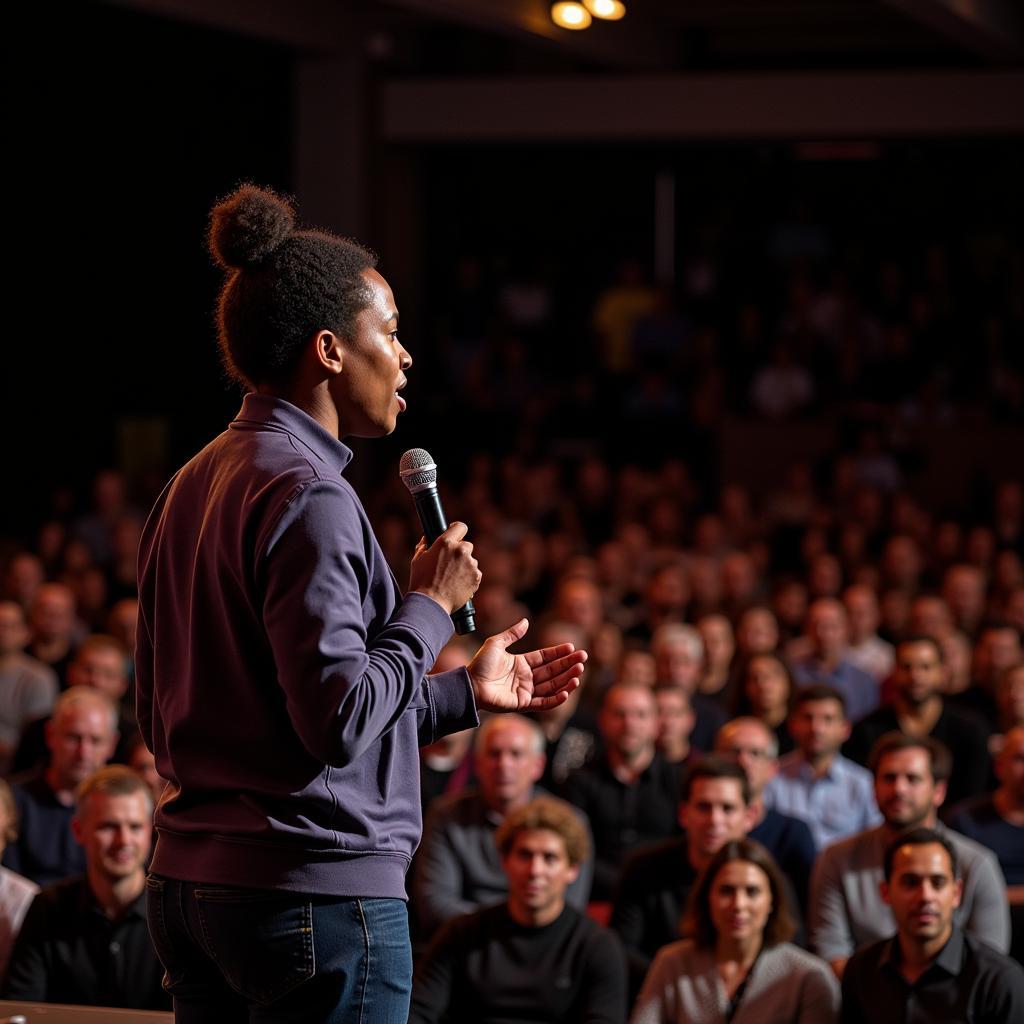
point(740, 900)
point(922, 891)
point(373, 367)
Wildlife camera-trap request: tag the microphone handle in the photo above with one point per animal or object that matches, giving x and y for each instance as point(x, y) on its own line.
point(434, 523)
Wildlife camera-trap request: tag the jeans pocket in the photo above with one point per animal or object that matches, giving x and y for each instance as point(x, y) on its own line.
point(261, 941)
point(156, 919)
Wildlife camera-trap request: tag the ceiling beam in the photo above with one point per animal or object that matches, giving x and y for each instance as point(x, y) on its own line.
point(991, 29)
point(715, 107)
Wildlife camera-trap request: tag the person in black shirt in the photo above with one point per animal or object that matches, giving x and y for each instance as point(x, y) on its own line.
point(86, 940)
point(532, 958)
point(930, 970)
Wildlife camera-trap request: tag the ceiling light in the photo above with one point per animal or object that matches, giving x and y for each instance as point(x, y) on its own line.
point(570, 15)
point(609, 10)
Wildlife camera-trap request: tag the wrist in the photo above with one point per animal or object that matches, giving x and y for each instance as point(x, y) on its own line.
point(436, 597)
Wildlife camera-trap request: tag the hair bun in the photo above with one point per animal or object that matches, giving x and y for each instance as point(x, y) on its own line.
point(248, 226)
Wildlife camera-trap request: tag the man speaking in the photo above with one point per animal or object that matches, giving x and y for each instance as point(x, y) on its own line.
point(281, 672)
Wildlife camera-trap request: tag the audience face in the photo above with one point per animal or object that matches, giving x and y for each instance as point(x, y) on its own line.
point(579, 602)
point(713, 814)
point(719, 645)
point(53, 613)
point(740, 901)
point(25, 575)
point(80, 738)
point(1010, 697)
point(905, 790)
point(758, 632)
point(678, 662)
point(919, 674)
point(964, 592)
point(751, 745)
point(116, 832)
point(539, 872)
point(102, 668)
point(508, 763)
point(13, 628)
point(819, 728)
point(922, 893)
point(997, 649)
point(629, 721)
point(826, 629)
point(1010, 766)
point(675, 718)
point(767, 686)
point(930, 616)
point(862, 612)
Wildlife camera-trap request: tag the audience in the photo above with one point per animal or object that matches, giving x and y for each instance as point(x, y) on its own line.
point(815, 783)
point(531, 957)
point(85, 940)
point(458, 868)
point(919, 709)
point(16, 893)
point(80, 737)
point(628, 793)
point(736, 963)
point(846, 908)
point(930, 969)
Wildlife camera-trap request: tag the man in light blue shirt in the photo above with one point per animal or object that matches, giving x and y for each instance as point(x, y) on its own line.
point(834, 795)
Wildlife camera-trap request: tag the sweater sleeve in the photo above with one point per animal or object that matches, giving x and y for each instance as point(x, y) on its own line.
point(828, 923)
point(346, 675)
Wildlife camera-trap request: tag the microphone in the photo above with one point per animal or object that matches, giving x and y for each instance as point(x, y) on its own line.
point(419, 474)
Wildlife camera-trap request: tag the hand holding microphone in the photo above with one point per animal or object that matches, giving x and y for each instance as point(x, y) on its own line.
point(444, 567)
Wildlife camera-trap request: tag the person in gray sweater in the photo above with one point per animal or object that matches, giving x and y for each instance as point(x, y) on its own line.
point(736, 964)
point(847, 909)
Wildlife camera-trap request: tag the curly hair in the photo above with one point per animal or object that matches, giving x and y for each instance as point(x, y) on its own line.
point(282, 286)
point(545, 814)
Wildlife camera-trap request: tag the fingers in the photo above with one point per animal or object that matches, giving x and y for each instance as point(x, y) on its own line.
point(545, 669)
point(541, 703)
point(513, 633)
point(456, 531)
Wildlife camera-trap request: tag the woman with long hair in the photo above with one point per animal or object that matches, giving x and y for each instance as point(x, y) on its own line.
point(736, 964)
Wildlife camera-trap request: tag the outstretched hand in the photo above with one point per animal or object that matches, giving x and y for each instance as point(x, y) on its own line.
point(523, 682)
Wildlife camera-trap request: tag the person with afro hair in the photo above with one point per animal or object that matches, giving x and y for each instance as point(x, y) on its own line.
point(281, 672)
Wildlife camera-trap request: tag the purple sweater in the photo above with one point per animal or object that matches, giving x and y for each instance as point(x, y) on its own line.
point(281, 675)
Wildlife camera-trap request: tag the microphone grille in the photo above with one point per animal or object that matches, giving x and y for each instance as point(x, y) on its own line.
point(417, 470)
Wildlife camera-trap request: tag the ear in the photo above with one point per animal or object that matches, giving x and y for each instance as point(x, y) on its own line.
point(76, 831)
point(538, 767)
point(751, 814)
point(847, 729)
point(328, 351)
point(573, 874)
point(958, 892)
point(883, 888)
point(940, 794)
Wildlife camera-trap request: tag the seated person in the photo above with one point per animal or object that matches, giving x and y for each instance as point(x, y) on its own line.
point(86, 940)
point(81, 737)
point(736, 963)
point(28, 688)
point(16, 893)
point(997, 821)
point(919, 709)
point(531, 957)
point(788, 839)
point(656, 881)
point(930, 969)
point(629, 793)
point(457, 868)
point(847, 910)
point(832, 794)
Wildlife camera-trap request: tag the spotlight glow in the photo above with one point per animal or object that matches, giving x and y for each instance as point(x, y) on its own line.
point(570, 15)
point(609, 10)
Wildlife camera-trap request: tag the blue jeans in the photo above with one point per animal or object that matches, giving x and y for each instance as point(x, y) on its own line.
point(256, 956)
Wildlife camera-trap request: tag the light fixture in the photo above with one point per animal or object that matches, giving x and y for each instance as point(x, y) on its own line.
point(609, 10)
point(570, 15)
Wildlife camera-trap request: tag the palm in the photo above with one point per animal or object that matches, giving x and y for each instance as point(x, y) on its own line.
point(523, 682)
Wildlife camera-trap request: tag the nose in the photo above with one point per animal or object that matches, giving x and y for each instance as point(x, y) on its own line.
point(404, 359)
